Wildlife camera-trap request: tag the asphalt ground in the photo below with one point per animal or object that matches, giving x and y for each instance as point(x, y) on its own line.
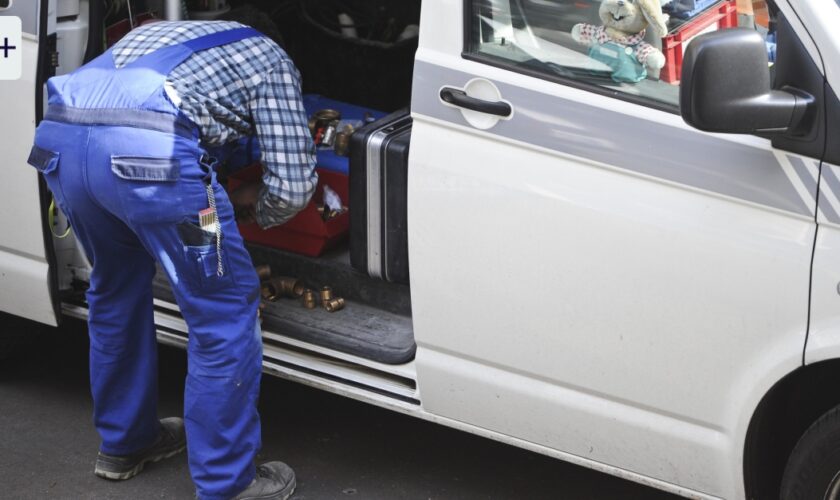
point(339, 448)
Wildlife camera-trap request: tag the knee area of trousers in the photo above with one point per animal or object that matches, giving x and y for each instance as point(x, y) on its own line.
point(228, 355)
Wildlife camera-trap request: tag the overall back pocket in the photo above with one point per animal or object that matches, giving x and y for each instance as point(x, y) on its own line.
point(149, 188)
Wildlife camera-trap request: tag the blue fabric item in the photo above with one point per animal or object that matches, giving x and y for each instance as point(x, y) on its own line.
point(622, 59)
point(132, 195)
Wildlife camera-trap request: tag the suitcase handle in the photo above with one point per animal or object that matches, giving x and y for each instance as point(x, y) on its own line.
point(460, 98)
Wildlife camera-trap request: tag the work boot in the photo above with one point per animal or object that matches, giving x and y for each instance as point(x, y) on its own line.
point(171, 441)
point(274, 481)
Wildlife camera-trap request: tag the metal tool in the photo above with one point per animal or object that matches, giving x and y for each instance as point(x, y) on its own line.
point(330, 132)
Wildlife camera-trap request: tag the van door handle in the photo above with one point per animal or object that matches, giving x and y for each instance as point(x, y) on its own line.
point(460, 98)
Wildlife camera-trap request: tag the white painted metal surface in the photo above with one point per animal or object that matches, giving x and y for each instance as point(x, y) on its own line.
point(609, 315)
point(24, 283)
point(820, 18)
point(824, 337)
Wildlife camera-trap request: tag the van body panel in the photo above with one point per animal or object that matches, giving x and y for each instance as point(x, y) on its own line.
point(824, 337)
point(626, 298)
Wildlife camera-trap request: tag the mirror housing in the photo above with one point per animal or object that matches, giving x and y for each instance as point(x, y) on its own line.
point(726, 88)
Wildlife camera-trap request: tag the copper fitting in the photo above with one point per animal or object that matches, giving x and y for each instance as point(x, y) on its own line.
point(264, 272)
point(313, 125)
point(309, 299)
point(326, 115)
point(268, 292)
point(342, 140)
point(334, 305)
point(326, 294)
point(287, 287)
point(282, 286)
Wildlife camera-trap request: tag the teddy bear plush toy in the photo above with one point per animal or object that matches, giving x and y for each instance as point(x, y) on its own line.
point(619, 41)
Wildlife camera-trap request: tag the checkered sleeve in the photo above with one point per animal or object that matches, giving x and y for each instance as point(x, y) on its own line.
point(288, 152)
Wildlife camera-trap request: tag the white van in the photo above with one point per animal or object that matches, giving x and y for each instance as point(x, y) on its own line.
point(591, 277)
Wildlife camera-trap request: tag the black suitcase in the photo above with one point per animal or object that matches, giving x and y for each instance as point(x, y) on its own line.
point(378, 197)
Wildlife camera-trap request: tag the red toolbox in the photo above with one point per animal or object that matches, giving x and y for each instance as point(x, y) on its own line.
point(307, 233)
point(723, 14)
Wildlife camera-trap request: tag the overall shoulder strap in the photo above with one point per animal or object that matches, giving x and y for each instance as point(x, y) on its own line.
point(146, 75)
point(165, 59)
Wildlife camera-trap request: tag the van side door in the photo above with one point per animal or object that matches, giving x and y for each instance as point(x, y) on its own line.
point(25, 275)
point(590, 275)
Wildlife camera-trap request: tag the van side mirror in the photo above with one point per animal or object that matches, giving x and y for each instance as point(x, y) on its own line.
point(726, 88)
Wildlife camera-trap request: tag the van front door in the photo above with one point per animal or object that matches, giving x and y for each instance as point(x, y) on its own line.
point(589, 274)
point(25, 274)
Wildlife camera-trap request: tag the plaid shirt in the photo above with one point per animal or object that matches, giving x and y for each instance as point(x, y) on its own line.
point(249, 87)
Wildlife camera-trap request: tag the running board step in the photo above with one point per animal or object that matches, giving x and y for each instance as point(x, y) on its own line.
point(295, 360)
point(358, 329)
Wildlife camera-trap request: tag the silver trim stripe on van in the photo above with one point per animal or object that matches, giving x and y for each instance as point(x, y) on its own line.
point(775, 179)
point(830, 194)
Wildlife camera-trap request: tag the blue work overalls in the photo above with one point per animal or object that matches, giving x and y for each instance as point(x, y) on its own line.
point(126, 167)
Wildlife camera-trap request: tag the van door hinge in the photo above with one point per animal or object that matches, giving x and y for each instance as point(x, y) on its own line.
point(51, 59)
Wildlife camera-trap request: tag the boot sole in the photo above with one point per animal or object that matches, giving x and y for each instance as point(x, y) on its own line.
point(137, 469)
point(283, 495)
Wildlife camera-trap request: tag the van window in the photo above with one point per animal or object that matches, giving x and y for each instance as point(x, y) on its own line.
point(596, 44)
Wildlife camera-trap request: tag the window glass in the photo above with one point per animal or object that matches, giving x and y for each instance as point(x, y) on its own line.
point(634, 47)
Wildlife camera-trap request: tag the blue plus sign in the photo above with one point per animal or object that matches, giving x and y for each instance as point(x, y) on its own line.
point(6, 48)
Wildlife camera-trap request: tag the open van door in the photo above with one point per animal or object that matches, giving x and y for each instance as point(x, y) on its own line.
point(26, 267)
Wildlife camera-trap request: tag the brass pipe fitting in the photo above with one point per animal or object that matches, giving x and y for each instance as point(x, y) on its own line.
point(287, 287)
point(334, 305)
point(268, 292)
point(326, 294)
point(309, 299)
point(264, 272)
point(326, 115)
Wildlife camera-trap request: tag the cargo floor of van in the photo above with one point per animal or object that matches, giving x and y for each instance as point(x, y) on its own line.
point(375, 324)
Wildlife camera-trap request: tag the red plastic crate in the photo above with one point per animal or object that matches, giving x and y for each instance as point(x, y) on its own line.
point(307, 233)
point(720, 16)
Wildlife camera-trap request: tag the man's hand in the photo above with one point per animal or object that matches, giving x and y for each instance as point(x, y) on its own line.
point(244, 200)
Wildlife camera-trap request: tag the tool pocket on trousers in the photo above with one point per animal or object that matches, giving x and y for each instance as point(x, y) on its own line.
point(201, 253)
point(205, 260)
point(149, 188)
point(193, 236)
